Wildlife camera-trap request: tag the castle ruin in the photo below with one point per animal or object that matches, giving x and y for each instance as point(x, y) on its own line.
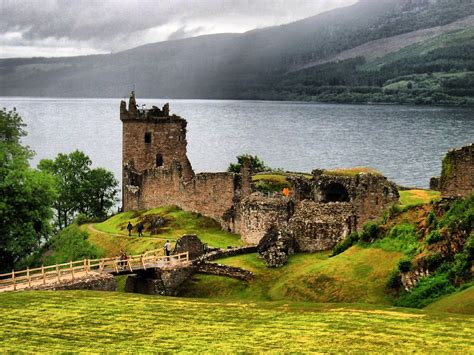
point(457, 173)
point(318, 213)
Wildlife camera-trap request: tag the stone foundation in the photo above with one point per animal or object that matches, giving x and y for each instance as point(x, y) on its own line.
point(96, 282)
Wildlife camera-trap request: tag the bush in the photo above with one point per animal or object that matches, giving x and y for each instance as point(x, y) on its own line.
point(394, 280)
point(427, 291)
point(345, 244)
point(83, 219)
point(434, 237)
point(369, 232)
point(433, 261)
point(405, 265)
point(431, 220)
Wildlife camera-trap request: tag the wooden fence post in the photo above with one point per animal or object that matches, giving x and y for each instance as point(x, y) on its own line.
point(72, 270)
point(13, 279)
point(44, 275)
point(58, 273)
point(28, 276)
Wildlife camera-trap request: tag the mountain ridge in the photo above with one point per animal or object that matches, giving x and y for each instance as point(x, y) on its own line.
point(255, 64)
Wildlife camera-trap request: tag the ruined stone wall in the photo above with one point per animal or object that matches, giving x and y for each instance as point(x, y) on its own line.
point(211, 194)
point(369, 194)
point(317, 226)
point(157, 172)
point(457, 176)
point(259, 213)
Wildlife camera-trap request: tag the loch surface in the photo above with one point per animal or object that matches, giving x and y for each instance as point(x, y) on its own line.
point(405, 143)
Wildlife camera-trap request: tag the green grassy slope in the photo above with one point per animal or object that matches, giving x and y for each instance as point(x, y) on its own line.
point(88, 321)
point(461, 302)
point(112, 235)
point(357, 275)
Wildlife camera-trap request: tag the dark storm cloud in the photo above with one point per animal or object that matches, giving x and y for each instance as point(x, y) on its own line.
point(111, 25)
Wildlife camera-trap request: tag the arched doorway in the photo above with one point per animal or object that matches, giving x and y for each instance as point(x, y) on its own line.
point(335, 192)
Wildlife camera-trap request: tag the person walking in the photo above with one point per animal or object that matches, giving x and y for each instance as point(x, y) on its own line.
point(167, 248)
point(129, 228)
point(140, 229)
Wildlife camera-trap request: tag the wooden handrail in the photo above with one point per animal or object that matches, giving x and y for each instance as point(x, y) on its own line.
point(73, 269)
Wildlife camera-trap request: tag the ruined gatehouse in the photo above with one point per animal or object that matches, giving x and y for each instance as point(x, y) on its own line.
point(318, 213)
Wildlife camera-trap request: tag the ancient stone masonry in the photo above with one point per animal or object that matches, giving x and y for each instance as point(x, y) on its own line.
point(320, 226)
point(157, 172)
point(457, 174)
point(319, 212)
point(275, 247)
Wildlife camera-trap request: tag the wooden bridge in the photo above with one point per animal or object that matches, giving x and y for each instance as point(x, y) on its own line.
point(18, 280)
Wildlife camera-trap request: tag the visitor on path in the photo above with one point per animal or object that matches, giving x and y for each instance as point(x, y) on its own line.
point(123, 258)
point(129, 227)
point(167, 248)
point(140, 229)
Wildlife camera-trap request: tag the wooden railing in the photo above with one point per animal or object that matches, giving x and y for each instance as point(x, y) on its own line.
point(78, 269)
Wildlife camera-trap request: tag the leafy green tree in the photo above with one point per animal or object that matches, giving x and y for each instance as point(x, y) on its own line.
point(26, 195)
point(256, 164)
point(91, 192)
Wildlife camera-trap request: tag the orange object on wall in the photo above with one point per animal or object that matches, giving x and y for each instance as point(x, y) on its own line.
point(286, 191)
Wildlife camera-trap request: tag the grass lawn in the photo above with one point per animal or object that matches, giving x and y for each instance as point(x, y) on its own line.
point(461, 302)
point(92, 321)
point(112, 235)
point(418, 197)
point(356, 276)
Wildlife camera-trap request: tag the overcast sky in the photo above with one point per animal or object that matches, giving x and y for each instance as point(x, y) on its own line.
point(74, 27)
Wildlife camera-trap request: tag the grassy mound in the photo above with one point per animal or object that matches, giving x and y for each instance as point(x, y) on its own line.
point(418, 197)
point(112, 235)
point(355, 276)
point(461, 302)
point(352, 171)
point(88, 321)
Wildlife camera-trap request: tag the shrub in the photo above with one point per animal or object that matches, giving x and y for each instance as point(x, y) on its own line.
point(431, 220)
point(345, 244)
point(427, 291)
point(405, 265)
point(369, 232)
point(433, 261)
point(83, 219)
point(434, 237)
point(394, 280)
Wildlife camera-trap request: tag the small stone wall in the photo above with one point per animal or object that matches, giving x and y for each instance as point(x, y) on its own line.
point(259, 213)
point(96, 282)
point(224, 270)
point(318, 226)
point(226, 253)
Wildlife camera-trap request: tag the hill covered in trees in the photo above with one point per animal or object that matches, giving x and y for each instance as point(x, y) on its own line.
point(410, 51)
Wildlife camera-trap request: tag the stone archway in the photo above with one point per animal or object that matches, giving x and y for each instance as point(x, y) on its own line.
point(334, 192)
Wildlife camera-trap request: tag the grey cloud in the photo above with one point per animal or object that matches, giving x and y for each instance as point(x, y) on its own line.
point(115, 24)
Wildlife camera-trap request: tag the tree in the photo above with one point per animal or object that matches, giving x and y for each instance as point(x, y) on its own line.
point(256, 164)
point(26, 195)
point(91, 192)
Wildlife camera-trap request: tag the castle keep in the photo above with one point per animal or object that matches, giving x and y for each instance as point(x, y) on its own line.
point(318, 213)
point(157, 172)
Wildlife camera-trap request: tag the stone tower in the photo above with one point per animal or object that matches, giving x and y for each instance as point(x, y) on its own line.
point(152, 140)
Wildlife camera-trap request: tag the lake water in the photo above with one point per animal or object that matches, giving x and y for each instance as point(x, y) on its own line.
point(405, 143)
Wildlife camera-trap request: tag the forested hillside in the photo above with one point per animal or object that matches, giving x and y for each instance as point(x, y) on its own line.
point(413, 51)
